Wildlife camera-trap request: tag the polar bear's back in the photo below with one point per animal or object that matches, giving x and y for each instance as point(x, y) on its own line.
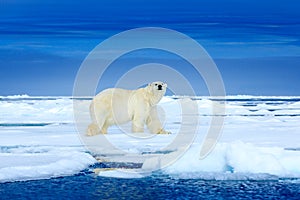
point(114, 95)
point(117, 92)
point(114, 103)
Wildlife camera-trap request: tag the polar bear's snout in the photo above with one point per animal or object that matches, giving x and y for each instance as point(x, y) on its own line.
point(159, 87)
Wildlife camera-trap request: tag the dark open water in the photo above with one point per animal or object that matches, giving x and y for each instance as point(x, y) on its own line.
point(157, 186)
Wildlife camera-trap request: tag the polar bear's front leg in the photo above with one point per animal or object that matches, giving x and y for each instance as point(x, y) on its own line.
point(155, 127)
point(153, 123)
point(162, 131)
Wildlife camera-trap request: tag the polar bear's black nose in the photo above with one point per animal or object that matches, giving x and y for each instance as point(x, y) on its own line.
point(159, 87)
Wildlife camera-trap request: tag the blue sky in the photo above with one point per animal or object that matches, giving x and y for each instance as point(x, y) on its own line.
point(255, 44)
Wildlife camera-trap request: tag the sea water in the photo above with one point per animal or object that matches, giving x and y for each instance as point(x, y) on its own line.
point(156, 186)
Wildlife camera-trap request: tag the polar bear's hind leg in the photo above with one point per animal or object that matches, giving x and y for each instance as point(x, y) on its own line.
point(97, 128)
point(138, 124)
point(93, 129)
point(104, 128)
point(98, 124)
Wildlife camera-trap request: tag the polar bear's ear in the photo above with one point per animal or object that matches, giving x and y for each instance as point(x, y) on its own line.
point(149, 84)
point(166, 84)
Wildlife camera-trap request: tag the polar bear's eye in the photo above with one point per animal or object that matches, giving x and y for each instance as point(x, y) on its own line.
point(155, 84)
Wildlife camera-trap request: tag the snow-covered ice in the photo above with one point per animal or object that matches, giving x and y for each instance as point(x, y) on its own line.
point(260, 139)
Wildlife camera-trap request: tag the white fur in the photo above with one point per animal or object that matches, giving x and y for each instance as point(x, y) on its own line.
point(117, 106)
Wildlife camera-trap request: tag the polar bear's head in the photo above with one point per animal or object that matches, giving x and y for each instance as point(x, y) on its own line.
point(157, 87)
point(156, 90)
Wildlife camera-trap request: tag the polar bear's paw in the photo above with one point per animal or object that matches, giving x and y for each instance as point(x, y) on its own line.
point(92, 130)
point(162, 131)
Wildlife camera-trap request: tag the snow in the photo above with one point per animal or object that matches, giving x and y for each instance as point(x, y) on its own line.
point(30, 153)
point(39, 139)
point(241, 159)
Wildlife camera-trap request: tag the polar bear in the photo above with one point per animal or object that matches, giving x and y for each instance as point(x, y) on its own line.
point(117, 106)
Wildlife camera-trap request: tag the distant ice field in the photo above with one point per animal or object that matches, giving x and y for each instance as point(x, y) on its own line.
point(260, 140)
